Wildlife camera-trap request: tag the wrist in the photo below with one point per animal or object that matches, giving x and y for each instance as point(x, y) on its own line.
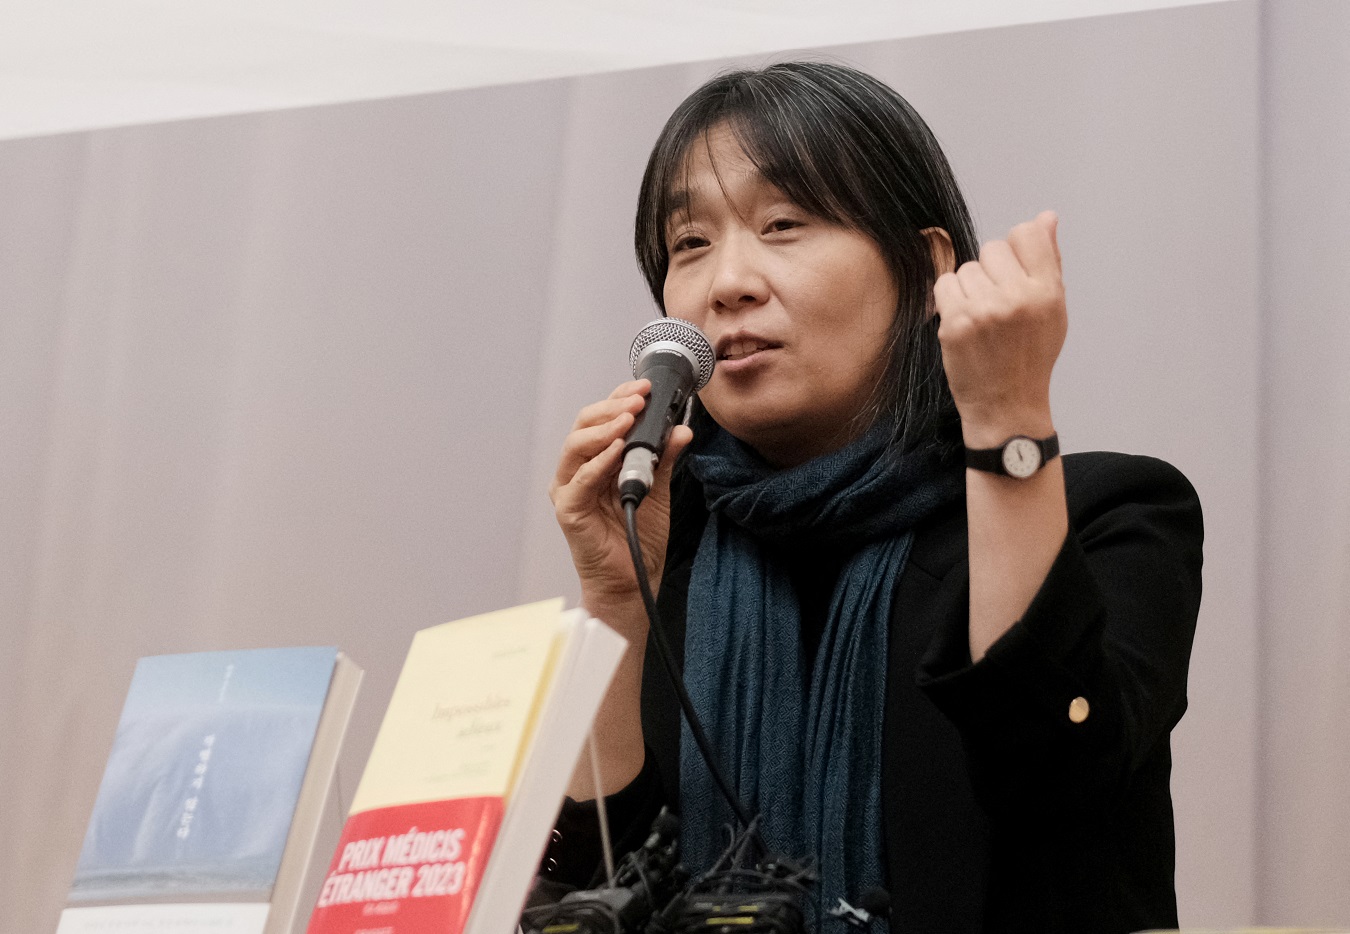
point(990, 431)
point(622, 611)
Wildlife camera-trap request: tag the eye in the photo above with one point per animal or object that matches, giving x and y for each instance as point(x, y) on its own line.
point(686, 242)
point(780, 224)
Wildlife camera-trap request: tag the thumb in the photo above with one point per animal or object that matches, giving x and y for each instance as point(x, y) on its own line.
point(1050, 221)
point(679, 439)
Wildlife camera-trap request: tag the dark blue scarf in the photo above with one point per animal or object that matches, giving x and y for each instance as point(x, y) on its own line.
point(808, 760)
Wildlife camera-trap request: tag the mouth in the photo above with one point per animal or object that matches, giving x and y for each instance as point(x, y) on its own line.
point(740, 346)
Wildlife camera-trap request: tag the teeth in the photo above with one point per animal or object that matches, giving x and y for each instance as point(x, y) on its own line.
point(737, 349)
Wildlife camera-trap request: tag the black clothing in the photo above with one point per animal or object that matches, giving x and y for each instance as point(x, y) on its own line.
point(1000, 812)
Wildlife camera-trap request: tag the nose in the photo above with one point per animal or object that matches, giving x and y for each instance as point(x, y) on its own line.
point(738, 279)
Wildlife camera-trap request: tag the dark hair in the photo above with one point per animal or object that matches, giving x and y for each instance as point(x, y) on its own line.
point(847, 148)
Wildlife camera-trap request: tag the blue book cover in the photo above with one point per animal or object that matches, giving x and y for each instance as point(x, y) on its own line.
point(201, 785)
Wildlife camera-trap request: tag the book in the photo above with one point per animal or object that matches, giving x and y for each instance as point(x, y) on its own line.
point(468, 771)
point(212, 805)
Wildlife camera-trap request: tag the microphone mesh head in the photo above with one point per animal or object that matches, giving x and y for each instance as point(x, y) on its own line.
point(679, 331)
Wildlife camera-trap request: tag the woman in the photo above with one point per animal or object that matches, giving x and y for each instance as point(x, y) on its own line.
point(935, 656)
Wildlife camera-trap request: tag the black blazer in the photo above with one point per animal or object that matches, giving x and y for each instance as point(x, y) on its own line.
point(1002, 813)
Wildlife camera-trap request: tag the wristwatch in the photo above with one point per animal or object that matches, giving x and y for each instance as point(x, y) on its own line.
point(1018, 457)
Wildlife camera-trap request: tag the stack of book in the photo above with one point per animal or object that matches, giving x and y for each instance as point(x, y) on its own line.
point(218, 809)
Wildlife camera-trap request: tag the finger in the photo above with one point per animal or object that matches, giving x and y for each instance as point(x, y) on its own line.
point(999, 261)
point(1051, 221)
point(948, 295)
point(680, 438)
point(585, 444)
point(590, 479)
point(1033, 242)
point(975, 282)
point(632, 387)
point(598, 413)
point(621, 399)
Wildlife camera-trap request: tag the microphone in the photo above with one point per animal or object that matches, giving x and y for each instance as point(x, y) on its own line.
point(678, 359)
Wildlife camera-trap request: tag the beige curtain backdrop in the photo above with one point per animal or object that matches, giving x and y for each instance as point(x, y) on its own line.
point(301, 377)
point(1303, 813)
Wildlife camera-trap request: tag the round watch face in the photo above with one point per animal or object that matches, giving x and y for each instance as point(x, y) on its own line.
point(1021, 457)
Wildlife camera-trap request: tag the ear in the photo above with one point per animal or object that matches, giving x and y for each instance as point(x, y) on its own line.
point(940, 243)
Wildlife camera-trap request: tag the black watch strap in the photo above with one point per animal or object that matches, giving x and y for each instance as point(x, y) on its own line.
point(1018, 457)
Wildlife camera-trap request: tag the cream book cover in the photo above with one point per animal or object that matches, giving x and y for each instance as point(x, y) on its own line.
point(441, 775)
point(462, 708)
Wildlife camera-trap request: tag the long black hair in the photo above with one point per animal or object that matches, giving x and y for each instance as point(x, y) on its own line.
point(847, 148)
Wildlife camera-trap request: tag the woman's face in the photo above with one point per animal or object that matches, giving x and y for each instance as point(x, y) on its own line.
point(797, 308)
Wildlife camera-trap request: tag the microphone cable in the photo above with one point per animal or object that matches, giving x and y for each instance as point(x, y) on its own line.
point(672, 671)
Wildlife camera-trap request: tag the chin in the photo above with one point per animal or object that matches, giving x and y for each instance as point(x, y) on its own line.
point(771, 439)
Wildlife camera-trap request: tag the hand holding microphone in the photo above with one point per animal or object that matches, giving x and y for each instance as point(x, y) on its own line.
point(638, 416)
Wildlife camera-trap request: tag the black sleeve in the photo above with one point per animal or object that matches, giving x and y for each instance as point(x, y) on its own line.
point(1081, 691)
point(574, 857)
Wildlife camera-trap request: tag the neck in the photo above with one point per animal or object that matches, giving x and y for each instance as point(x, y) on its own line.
point(792, 449)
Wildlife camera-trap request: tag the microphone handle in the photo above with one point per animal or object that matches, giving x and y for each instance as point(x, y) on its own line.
point(672, 380)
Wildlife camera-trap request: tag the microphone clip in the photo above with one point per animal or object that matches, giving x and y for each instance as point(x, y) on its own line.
point(873, 906)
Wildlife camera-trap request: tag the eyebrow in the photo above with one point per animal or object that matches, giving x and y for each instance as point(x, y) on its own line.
point(676, 201)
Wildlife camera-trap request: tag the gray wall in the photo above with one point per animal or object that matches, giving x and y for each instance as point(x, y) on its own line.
point(301, 378)
point(1303, 856)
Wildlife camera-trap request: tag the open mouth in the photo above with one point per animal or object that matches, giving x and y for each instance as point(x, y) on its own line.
point(742, 347)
